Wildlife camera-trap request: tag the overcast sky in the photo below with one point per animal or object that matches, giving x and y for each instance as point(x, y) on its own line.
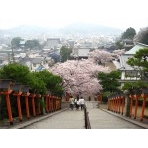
point(59, 13)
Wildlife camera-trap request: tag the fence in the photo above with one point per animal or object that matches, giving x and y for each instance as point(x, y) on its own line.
point(87, 122)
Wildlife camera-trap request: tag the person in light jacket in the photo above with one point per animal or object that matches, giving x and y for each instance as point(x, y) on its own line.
point(77, 103)
point(82, 102)
point(71, 100)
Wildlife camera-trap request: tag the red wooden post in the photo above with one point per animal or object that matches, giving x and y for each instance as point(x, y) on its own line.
point(26, 94)
point(119, 104)
point(118, 99)
point(137, 95)
point(27, 107)
point(131, 106)
point(108, 107)
point(47, 102)
point(136, 106)
point(116, 105)
point(111, 104)
point(33, 106)
point(38, 96)
point(143, 107)
point(51, 102)
point(19, 107)
point(9, 107)
point(17, 92)
point(54, 103)
point(123, 99)
point(5, 86)
point(144, 96)
point(32, 96)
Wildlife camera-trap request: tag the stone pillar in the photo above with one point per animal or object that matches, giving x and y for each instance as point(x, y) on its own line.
point(127, 103)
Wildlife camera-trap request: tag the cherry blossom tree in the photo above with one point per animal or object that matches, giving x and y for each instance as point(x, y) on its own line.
point(117, 53)
point(142, 36)
point(100, 56)
point(79, 76)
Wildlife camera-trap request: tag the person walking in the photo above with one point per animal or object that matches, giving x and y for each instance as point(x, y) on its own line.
point(71, 100)
point(77, 103)
point(82, 102)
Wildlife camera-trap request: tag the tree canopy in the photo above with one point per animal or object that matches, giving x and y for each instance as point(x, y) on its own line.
point(39, 82)
point(79, 76)
point(129, 33)
point(15, 42)
point(109, 81)
point(142, 36)
point(99, 56)
point(15, 71)
point(65, 53)
point(32, 44)
point(139, 60)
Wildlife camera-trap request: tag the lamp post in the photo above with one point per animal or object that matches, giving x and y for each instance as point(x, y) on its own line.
point(25, 94)
point(136, 96)
point(144, 95)
point(17, 92)
point(38, 96)
point(6, 90)
point(47, 100)
point(32, 96)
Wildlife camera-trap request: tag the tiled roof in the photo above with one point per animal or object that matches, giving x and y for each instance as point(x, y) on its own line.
point(136, 48)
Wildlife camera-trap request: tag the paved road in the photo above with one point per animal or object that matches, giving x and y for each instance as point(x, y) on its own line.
point(65, 120)
point(75, 120)
point(102, 120)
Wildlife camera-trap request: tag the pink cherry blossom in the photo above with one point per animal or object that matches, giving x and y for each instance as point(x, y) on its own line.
point(79, 76)
point(100, 56)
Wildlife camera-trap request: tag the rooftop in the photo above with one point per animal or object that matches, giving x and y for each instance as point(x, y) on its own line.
point(136, 48)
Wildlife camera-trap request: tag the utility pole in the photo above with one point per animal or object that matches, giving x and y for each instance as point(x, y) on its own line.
point(13, 60)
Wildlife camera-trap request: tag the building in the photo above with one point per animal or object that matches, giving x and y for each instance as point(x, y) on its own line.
point(39, 64)
point(128, 73)
point(81, 53)
point(52, 43)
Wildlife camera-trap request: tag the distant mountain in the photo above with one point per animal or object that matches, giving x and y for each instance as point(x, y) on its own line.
point(90, 29)
point(25, 30)
point(83, 29)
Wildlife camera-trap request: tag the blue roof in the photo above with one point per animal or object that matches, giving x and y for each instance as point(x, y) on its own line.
point(40, 68)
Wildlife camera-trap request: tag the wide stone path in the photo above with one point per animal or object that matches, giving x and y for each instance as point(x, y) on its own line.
point(75, 120)
point(64, 120)
point(102, 120)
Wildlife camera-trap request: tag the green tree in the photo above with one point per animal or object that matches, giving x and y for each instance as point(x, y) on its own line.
point(32, 44)
point(65, 53)
point(129, 33)
point(139, 60)
point(39, 82)
point(15, 42)
point(119, 44)
point(48, 81)
point(138, 84)
point(109, 81)
point(15, 71)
